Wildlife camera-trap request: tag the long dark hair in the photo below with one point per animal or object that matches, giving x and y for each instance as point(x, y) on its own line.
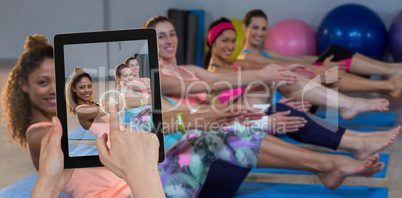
point(253, 13)
point(207, 56)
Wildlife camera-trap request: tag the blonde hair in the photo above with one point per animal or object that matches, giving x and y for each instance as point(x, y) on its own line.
point(71, 96)
point(16, 104)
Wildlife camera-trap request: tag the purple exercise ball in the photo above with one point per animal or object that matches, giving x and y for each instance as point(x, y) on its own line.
point(395, 37)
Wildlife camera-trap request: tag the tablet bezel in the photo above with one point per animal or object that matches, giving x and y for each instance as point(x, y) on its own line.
point(60, 40)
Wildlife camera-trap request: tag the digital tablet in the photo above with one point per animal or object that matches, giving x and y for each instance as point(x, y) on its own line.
point(91, 73)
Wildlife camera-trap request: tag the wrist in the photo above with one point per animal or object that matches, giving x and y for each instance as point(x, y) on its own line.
point(45, 188)
point(141, 179)
point(261, 75)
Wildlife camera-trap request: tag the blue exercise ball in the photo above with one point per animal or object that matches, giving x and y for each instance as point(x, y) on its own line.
point(354, 27)
point(395, 38)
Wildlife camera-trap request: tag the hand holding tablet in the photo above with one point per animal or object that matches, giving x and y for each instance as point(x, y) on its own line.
point(92, 70)
point(132, 155)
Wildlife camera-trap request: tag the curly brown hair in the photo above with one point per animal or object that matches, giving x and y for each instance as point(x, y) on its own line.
point(16, 104)
point(71, 96)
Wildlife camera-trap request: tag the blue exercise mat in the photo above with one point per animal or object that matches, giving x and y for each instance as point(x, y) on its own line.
point(292, 141)
point(383, 119)
point(271, 190)
point(383, 158)
point(22, 188)
point(80, 134)
point(82, 150)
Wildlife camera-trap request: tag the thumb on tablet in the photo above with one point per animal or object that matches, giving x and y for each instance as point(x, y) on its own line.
point(103, 150)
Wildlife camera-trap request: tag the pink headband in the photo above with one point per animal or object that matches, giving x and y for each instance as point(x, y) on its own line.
point(217, 29)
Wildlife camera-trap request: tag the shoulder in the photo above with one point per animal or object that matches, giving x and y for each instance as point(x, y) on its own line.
point(83, 106)
point(33, 128)
point(191, 68)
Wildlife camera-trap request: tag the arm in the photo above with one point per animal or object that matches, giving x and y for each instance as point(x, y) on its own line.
point(220, 82)
point(133, 100)
point(256, 58)
point(252, 61)
point(207, 117)
point(52, 177)
point(139, 85)
point(283, 57)
point(87, 114)
point(34, 139)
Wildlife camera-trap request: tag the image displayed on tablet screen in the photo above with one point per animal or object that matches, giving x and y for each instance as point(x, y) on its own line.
point(98, 74)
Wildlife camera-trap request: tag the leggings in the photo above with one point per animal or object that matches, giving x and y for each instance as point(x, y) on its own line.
point(187, 162)
point(224, 179)
point(340, 55)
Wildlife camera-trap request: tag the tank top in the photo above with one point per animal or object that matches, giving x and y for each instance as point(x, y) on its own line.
point(193, 99)
point(92, 182)
point(265, 54)
point(227, 94)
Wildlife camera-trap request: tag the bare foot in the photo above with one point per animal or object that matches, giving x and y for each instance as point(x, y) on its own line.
point(342, 166)
point(360, 105)
point(397, 71)
point(395, 89)
point(366, 144)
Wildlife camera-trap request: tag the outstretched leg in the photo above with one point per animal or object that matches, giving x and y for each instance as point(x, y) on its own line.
point(367, 66)
point(316, 94)
point(321, 133)
point(365, 144)
point(350, 82)
point(331, 169)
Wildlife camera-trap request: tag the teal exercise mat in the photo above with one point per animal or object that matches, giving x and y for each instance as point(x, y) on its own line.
point(383, 158)
point(200, 36)
point(271, 190)
point(22, 188)
point(383, 119)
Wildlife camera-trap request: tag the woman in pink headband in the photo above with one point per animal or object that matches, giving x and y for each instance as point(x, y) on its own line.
point(216, 61)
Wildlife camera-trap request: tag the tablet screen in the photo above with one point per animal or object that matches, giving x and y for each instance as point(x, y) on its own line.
point(101, 68)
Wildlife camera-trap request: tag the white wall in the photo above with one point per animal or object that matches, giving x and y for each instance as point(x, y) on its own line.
point(18, 18)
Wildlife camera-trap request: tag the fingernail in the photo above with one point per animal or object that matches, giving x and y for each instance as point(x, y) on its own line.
point(153, 136)
point(54, 121)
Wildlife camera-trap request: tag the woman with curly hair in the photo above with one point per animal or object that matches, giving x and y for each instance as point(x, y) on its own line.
point(81, 93)
point(29, 103)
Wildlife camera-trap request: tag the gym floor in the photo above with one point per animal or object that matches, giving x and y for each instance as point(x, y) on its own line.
point(16, 164)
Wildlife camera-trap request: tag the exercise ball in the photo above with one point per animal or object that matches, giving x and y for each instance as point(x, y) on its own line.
point(354, 27)
point(239, 37)
point(291, 37)
point(395, 37)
